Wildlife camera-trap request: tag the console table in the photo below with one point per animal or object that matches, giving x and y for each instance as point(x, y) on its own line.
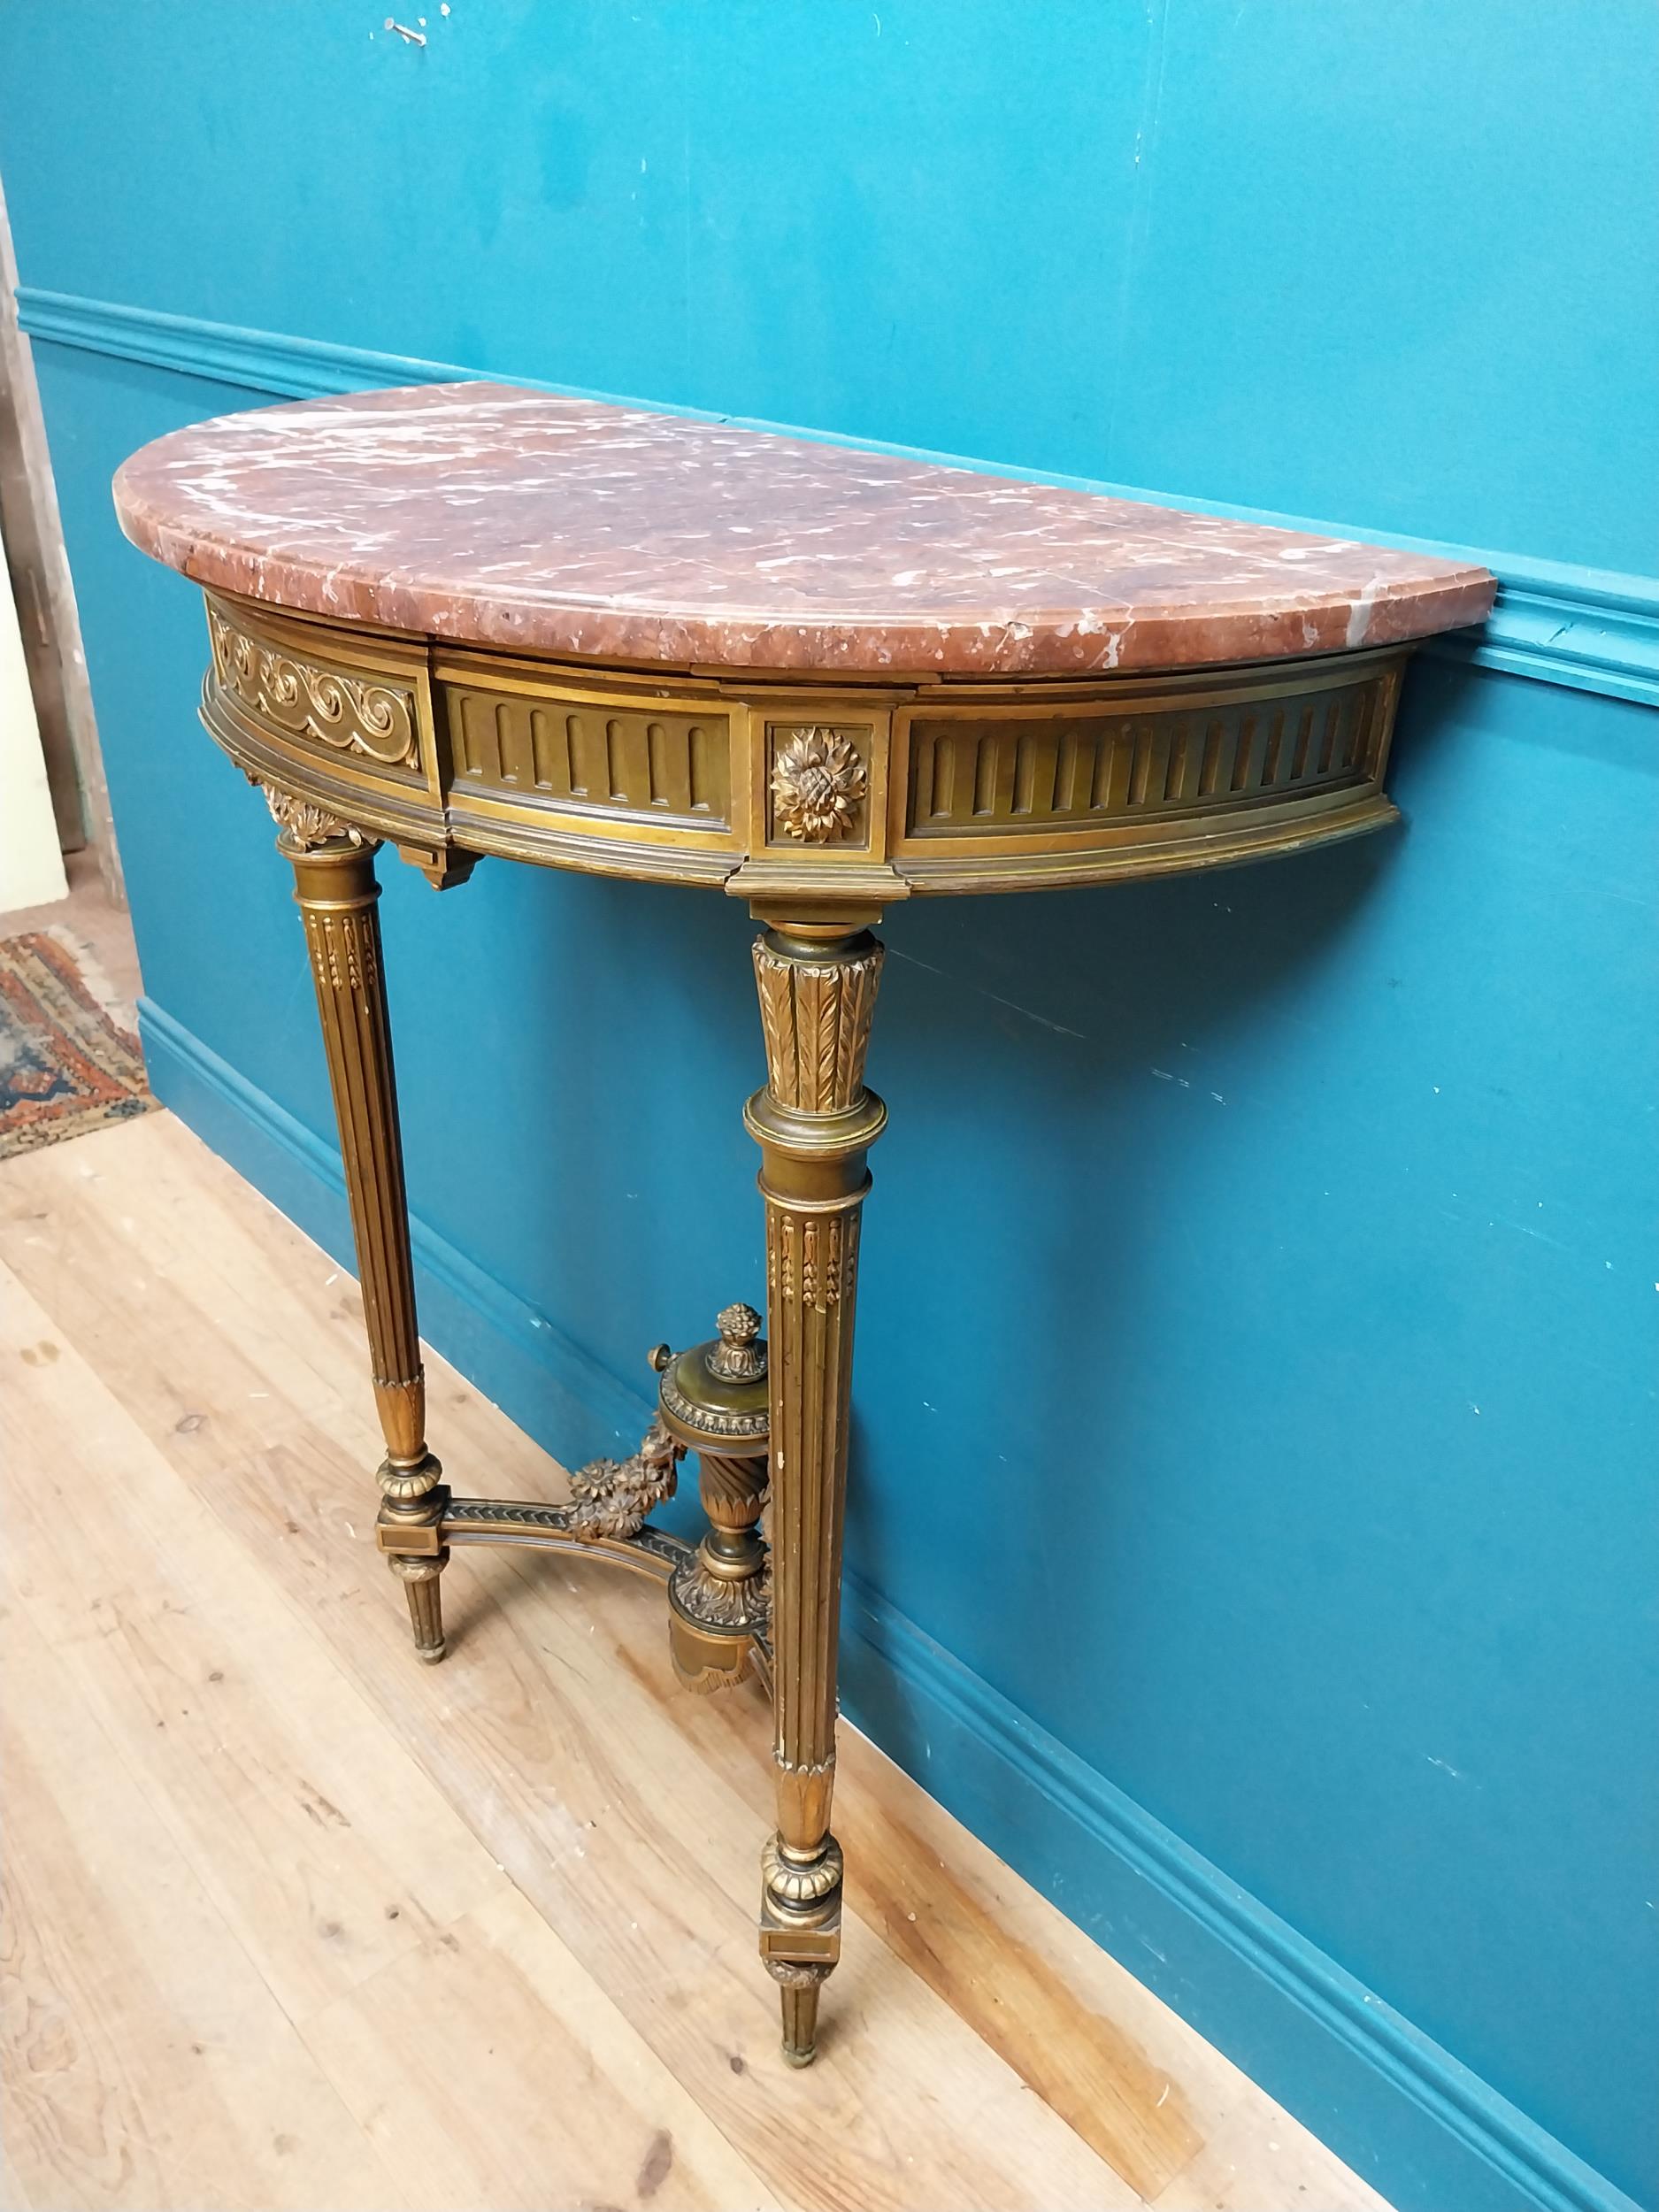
point(467, 620)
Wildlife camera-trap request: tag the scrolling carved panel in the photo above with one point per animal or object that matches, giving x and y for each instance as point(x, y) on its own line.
point(309, 699)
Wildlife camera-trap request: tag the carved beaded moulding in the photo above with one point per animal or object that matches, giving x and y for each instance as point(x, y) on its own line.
point(716, 1425)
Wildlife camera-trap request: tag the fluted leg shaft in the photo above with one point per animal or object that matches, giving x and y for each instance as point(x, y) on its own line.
point(336, 891)
point(814, 1122)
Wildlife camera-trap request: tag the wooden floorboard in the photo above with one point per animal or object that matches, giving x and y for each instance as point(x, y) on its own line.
point(293, 1920)
point(98, 929)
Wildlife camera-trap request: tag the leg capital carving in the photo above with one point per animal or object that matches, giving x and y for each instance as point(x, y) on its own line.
point(817, 999)
point(303, 824)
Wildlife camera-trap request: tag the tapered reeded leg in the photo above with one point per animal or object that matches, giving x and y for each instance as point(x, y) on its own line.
point(814, 1122)
point(334, 886)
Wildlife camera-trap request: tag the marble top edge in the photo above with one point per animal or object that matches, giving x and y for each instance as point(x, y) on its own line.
point(489, 514)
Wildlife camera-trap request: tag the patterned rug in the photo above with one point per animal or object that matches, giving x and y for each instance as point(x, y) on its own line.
point(66, 1067)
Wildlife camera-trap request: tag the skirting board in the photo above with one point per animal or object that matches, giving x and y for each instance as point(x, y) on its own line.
point(1428, 2133)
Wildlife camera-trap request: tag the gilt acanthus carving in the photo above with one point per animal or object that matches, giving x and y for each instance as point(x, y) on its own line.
point(349, 713)
point(818, 783)
point(304, 822)
point(791, 1974)
point(719, 1601)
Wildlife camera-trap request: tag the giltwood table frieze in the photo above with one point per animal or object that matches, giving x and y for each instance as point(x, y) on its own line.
point(470, 621)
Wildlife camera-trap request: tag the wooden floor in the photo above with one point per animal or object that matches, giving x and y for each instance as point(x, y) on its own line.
point(291, 1920)
point(101, 933)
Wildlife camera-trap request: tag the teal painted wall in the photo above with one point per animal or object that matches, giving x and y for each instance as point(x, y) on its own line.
point(1332, 1640)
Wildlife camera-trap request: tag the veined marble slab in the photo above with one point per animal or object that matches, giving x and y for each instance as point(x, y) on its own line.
point(487, 515)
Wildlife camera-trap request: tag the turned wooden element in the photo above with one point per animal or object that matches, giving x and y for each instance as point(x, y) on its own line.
point(335, 889)
point(712, 1400)
point(814, 1123)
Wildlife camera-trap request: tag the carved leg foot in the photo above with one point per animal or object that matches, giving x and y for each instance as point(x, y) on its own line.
point(814, 1122)
point(799, 1986)
point(420, 1582)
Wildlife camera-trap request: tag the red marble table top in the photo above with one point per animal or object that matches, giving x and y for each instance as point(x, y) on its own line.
point(483, 514)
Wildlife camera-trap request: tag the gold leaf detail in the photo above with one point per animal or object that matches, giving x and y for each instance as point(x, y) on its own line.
point(777, 1013)
point(857, 1010)
point(718, 1603)
point(349, 713)
point(817, 785)
point(815, 1017)
point(305, 823)
point(792, 1884)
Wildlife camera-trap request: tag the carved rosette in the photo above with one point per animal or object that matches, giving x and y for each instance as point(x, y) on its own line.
point(816, 1016)
point(819, 784)
point(349, 713)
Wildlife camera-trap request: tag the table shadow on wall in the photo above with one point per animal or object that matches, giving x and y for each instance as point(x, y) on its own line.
point(1035, 1053)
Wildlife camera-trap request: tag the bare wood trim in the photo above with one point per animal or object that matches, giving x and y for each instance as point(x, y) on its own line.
point(33, 534)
